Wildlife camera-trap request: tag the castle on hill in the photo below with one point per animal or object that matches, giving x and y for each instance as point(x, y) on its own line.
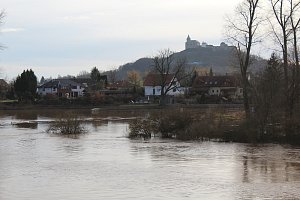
point(193, 44)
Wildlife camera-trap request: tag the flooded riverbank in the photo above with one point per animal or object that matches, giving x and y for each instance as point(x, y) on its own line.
point(105, 164)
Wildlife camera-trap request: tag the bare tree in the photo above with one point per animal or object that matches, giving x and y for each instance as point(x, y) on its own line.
point(165, 65)
point(285, 29)
point(295, 25)
point(242, 32)
point(83, 74)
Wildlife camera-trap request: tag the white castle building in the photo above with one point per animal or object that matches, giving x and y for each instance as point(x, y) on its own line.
point(192, 44)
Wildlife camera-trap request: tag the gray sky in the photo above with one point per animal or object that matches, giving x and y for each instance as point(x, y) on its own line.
point(68, 36)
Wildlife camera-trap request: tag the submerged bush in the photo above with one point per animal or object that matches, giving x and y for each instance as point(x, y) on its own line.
point(190, 125)
point(179, 124)
point(213, 124)
point(140, 128)
point(174, 124)
point(70, 124)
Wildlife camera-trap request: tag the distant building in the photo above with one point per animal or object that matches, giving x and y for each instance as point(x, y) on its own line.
point(62, 88)
point(223, 86)
point(193, 44)
point(152, 85)
point(119, 88)
point(91, 84)
point(119, 85)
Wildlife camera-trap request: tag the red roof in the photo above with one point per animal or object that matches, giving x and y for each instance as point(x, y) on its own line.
point(119, 84)
point(156, 79)
point(215, 81)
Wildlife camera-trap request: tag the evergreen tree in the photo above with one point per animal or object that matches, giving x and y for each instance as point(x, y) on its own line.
point(25, 85)
point(42, 81)
point(95, 74)
point(100, 83)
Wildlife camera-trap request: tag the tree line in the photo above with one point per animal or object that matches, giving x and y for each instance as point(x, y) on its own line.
point(271, 97)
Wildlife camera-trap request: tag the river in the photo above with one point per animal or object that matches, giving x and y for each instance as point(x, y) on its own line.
point(105, 164)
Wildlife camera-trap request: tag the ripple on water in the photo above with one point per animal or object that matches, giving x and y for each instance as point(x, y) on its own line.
point(104, 164)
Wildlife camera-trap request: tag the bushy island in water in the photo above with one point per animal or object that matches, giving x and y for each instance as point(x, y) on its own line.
point(67, 124)
point(211, 124)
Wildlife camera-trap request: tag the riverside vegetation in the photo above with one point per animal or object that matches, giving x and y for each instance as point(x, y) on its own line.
point(214, 124)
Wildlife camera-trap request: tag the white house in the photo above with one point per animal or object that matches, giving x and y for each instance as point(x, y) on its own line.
point(62, 88)
point(152, 85)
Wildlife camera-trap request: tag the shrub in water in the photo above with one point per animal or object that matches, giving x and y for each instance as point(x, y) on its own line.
point(70, 124)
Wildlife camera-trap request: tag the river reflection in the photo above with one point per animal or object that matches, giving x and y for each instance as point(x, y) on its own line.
point(105, 164)
point(270, 163)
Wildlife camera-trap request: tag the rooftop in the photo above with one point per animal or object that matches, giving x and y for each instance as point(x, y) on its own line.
point(156, 79)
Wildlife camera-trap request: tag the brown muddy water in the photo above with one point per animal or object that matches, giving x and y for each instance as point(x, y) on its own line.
point(105, 164)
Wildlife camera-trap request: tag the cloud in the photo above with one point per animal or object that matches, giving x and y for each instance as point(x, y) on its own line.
point(10, 30)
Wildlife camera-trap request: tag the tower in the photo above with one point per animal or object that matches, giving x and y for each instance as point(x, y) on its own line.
point(191, 44)
point(188, 38)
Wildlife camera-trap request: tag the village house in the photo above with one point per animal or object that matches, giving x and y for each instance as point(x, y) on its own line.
point(121, 87)
point(62, 88)
point(223, 86)
point(152, 85)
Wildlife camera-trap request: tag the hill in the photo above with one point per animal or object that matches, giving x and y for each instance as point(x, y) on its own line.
point(142, 65)
point(221, 59)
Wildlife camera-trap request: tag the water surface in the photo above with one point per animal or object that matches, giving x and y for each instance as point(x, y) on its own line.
point(105, 164)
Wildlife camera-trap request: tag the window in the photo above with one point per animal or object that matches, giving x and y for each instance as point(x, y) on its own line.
point(153, 91)
point(213, 91)
point(210, 82)
point(216, 82)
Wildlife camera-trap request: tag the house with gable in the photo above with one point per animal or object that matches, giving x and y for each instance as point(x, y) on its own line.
point(222, 86)
point(152, 85)
point(62, 88)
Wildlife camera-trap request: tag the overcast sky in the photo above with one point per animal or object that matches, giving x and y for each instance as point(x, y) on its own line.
point(68, 36)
